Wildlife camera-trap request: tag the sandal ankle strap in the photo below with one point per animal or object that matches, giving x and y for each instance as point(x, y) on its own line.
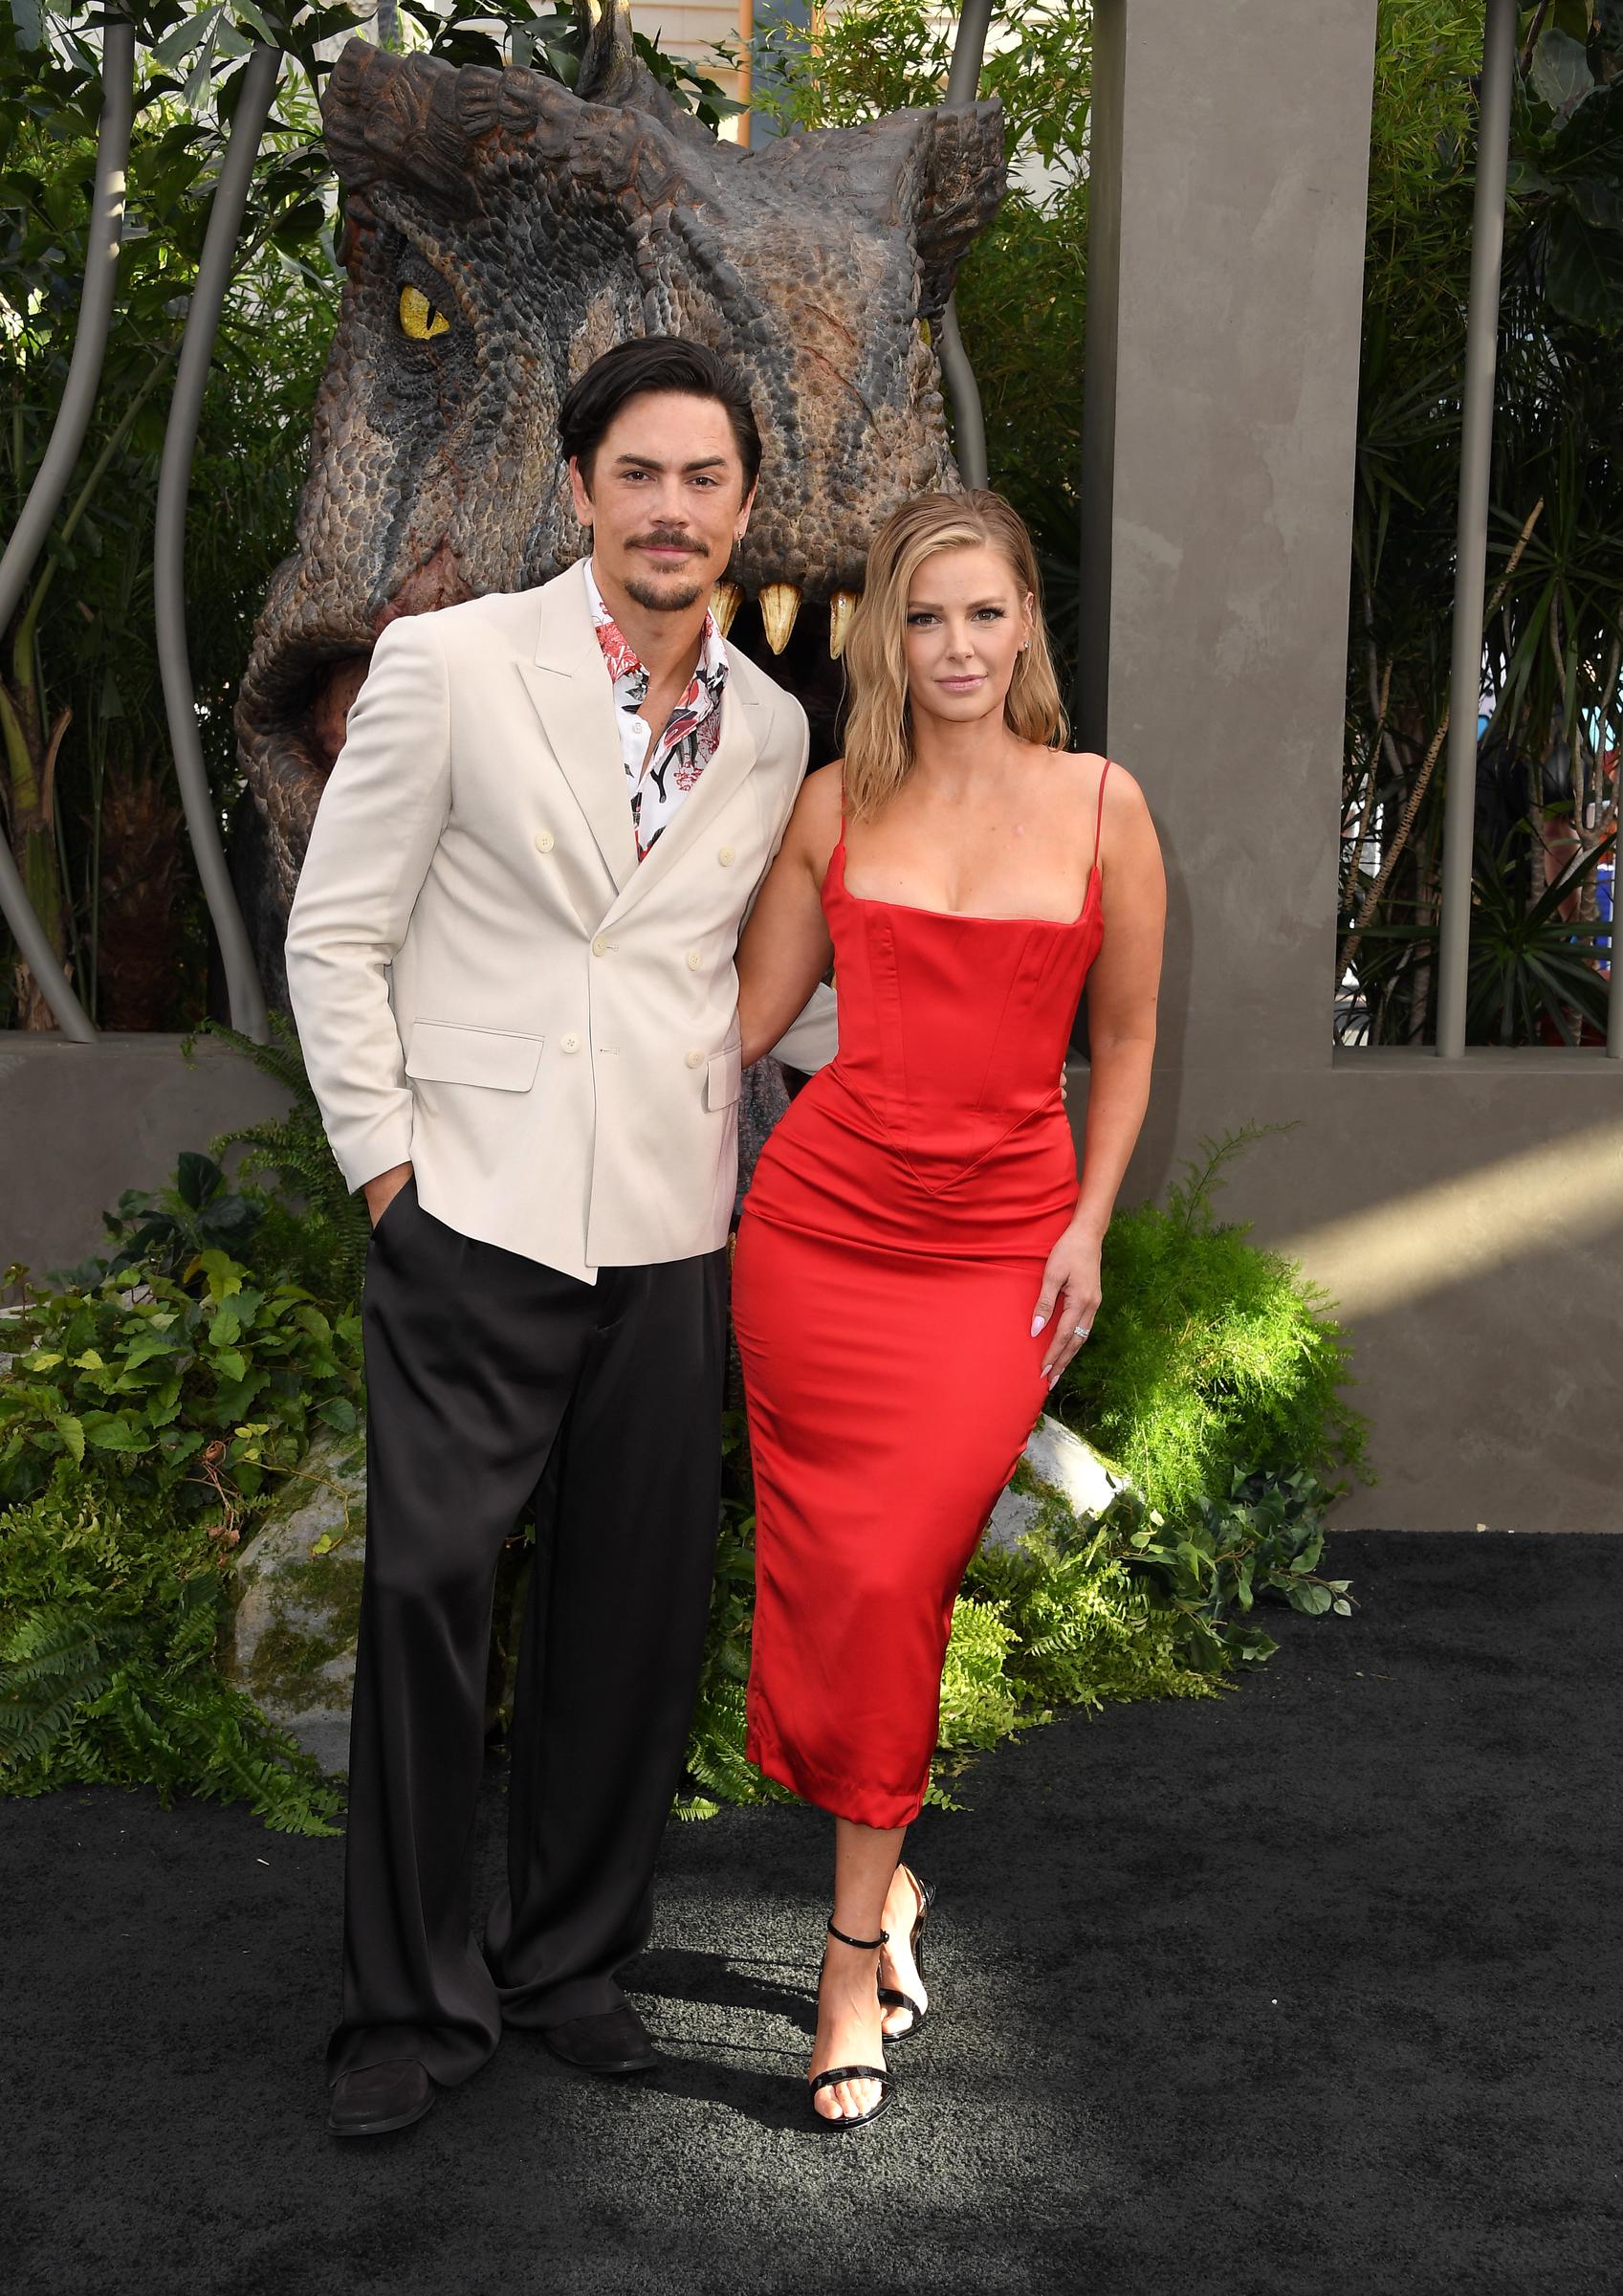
point(864, 1945)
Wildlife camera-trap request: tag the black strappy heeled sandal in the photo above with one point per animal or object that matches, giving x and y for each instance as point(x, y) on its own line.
point(854, 2072)
point(889, 1996)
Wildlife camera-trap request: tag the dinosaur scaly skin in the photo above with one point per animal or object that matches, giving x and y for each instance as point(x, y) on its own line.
point(539, 228)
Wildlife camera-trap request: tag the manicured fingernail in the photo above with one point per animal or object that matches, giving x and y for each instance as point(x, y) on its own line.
point(1036, 1323)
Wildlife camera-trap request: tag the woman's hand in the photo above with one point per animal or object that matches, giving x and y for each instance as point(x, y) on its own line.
point(1069, 1298)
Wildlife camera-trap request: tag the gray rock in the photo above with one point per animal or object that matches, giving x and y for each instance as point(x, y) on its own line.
point(298, 1607)
point(1055, 1460)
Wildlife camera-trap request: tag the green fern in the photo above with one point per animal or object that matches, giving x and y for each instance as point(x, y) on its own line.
point(108, 1675)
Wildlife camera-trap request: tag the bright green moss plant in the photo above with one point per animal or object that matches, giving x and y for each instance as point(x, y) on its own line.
point(1211, 1361)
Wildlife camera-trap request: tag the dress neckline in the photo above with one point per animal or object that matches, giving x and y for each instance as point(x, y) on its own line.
point(960, 917)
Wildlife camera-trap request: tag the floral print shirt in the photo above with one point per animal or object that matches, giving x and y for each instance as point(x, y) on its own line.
point(660, 771)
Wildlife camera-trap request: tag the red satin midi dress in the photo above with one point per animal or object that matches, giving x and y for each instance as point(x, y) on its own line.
point(889, 1255)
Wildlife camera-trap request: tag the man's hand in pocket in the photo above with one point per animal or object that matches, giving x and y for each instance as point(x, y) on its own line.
point(380, 1192)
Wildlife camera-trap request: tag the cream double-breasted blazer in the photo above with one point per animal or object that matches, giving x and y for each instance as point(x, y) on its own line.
point(490, 986)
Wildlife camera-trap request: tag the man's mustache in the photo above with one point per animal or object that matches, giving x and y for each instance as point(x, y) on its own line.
point(667, 542)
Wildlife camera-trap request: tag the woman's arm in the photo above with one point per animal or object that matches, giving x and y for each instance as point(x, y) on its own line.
point(784, 949)
point(1122, 989)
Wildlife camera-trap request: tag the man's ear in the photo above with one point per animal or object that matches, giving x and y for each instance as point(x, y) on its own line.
point(744, 509)
point(580, 491)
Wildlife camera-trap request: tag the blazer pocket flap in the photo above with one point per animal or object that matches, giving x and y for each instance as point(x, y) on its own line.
point(724, 1079)
point(442, 1053)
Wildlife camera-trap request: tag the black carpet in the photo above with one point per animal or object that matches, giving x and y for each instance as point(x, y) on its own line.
point(1314, 1988)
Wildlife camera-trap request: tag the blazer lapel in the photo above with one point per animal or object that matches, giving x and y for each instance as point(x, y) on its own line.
point(743, 728)
point(569, 684)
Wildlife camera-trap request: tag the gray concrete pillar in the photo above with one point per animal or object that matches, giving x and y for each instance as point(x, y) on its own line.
point(1231, 157)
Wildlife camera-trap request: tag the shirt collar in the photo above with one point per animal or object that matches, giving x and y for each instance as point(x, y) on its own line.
point(615, 643)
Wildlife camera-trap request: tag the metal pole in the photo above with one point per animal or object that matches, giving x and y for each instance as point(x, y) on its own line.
point(969, 423)
point(174, 480)
point(56, 466)
point(969, 51)
point(1614, 989)
point(969, 427)
point(1465, 683)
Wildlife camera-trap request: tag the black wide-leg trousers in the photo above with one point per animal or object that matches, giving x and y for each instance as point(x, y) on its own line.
point(491, 1380)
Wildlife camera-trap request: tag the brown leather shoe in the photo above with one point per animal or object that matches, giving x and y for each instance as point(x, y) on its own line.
point(615, 2042)
point(377, 2098)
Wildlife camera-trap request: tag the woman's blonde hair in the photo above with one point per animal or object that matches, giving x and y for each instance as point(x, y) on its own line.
point(879, 732)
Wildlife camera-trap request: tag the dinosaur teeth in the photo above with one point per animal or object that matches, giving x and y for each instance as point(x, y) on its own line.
point(724, 600)
point(840, 607)
point(779, 604)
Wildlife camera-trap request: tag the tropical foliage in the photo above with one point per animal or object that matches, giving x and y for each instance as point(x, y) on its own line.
point(1546, 797)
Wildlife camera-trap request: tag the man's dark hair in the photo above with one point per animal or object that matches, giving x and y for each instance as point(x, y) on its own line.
point(652, 362)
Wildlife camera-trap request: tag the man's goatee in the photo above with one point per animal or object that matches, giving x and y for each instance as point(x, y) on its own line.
point(666, 602)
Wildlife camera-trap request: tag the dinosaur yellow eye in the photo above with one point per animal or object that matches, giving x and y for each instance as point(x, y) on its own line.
point(419, 316)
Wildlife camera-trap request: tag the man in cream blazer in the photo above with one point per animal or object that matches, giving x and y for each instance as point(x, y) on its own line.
point(511, 961)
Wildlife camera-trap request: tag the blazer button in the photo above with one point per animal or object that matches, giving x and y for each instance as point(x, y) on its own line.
point(695, 1059)
point(726, 856)
point(570, 1042)
point(695, 957)
point(543, 840)
point(600, 946)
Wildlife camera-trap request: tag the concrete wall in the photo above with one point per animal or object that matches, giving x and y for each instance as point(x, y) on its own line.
point(80, 1123)
point(1467, 1215)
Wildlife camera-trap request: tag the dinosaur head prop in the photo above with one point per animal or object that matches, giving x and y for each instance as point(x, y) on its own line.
point(501, 232)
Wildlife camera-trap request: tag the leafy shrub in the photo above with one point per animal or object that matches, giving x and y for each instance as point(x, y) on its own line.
point(167, 1231)
point(316, 1232)
point(162, 1395)
point(141, 1425)
point(1265, 1538)
point(1210, 1358)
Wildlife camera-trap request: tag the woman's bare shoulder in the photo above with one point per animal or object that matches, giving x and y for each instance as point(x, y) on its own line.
point(1086, 770)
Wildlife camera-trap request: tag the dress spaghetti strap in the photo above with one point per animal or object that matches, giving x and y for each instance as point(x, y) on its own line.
point(1099, 822)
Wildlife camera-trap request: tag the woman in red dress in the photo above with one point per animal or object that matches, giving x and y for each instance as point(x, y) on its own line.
point(915, 1263)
